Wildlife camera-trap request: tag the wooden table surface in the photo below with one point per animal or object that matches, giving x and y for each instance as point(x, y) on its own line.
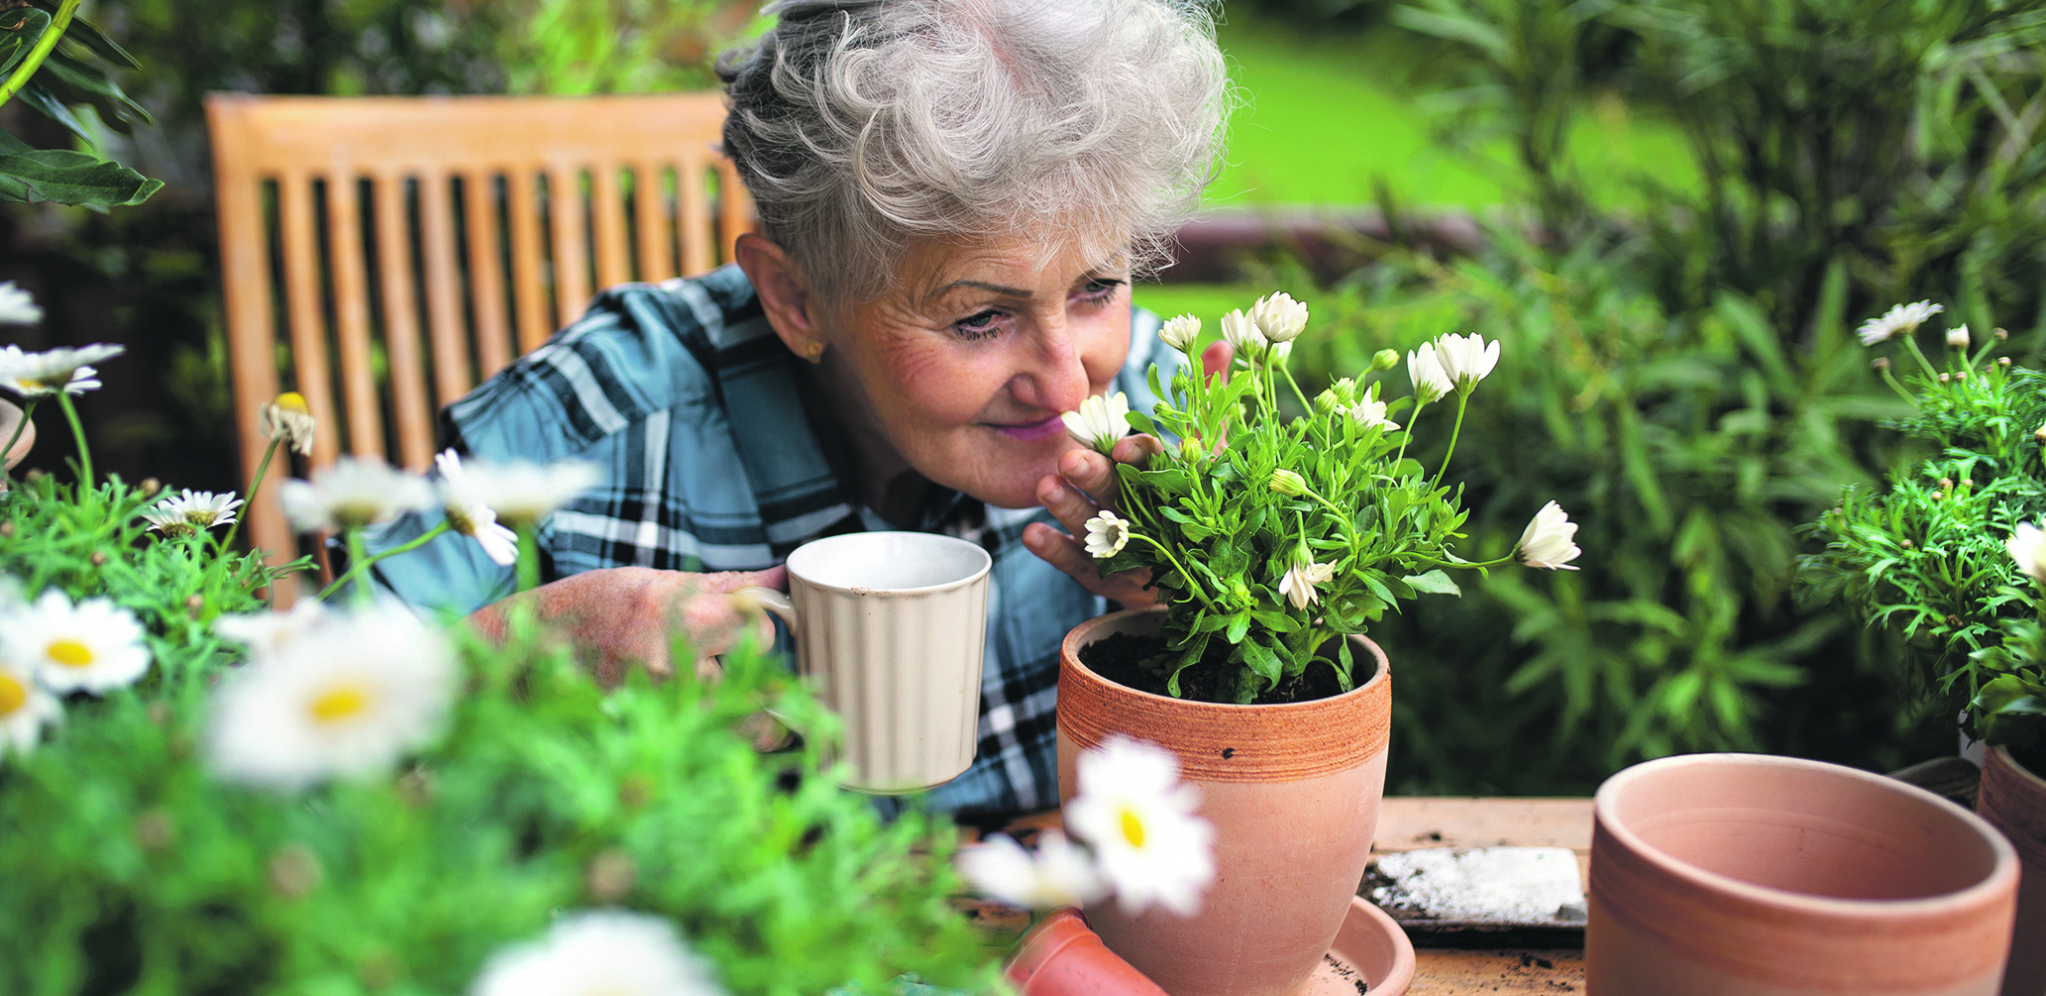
point(1407, 823)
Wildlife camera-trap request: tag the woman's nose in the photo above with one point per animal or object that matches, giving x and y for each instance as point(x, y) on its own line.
point(1054, 377)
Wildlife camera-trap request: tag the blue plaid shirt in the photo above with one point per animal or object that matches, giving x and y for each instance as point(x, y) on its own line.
point(686, 398)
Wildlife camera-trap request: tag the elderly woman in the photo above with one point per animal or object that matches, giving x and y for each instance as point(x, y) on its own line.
point(954, 196)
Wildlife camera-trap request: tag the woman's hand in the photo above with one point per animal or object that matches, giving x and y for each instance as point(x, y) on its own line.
point(619, 616)
point(1085, 484)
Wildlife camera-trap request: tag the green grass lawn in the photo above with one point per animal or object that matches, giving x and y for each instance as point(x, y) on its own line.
point(1324, 115)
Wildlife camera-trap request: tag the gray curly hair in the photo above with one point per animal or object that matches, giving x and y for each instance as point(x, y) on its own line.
point(858, 125)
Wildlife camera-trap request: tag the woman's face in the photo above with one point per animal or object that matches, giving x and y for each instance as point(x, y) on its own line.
point(965, 367)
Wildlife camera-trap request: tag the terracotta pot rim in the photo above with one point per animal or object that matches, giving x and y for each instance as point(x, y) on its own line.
point(2000, 880)
point(2017, 766)
point(1082, 634)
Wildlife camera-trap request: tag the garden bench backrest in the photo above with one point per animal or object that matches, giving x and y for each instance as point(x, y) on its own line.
point(388, 253)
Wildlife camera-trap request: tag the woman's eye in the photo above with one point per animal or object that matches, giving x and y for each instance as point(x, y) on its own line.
point(1099, 290)
point(981, 326)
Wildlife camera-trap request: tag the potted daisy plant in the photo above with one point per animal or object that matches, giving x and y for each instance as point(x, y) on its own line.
point(1273, 542)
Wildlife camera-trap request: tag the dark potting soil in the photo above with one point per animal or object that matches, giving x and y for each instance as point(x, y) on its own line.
point(1120, 658)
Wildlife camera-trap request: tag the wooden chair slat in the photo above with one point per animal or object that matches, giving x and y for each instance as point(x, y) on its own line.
point(565, 209)
point(692, 201)
point(486, 273)
point(409, 405)
point(313, 376)
point(351, 317)
point(445, 328)
point(656, 226)
point(529, 261)
point(607, 208)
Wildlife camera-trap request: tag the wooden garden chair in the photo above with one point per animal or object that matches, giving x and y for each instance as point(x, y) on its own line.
point(383, 255)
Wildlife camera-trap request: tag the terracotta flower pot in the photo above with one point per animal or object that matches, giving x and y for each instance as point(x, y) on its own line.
point(1772, 876)
point(1062, 956)
point(1292, 791)
point(2013, 800)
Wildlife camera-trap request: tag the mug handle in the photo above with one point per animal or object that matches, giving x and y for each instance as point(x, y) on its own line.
point(773, 601)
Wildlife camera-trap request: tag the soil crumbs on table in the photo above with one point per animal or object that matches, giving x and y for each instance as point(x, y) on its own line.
point(1120, 658)
point(1346, 973)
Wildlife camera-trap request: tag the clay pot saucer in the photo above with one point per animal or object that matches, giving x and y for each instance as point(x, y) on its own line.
point(1062, 956)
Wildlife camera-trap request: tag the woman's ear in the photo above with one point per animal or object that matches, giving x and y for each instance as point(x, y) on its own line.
point(784, 293)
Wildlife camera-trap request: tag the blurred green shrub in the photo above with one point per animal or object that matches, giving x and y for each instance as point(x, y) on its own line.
point(1685, 376)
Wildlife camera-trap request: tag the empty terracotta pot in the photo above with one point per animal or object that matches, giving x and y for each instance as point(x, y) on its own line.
point(1062, 956)
point(1772, 876)
point(1293, 793)
point(2013, 800)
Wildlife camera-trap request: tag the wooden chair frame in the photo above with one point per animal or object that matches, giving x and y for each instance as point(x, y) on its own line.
point(371, 246)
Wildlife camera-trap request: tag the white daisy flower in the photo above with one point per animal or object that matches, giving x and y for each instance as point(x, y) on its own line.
point(1549, 540)
point(1101, 420)
point(354, 492)
point(268, 633)
point(599, 953)
point(1059, 874)
point(1904, 318)
point(289, 417)
point(35, 375)
point(1141, 820)
point(2027, 546)
point(376, 684)
point(1371, 412)
point(1957, 337)
point(1107, 534)
point(1466, 359)
point(17, 307)
point(93, 646)
point(523, 493)
point(1430, 383)
point(25, 708)
point(1279, 317)
point(1181, 333)
point(188, 510)
point(470, 517)
point(1241, 332)
point(1298, 584)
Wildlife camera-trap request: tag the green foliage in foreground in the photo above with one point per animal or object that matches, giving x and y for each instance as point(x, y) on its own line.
point(129, 869)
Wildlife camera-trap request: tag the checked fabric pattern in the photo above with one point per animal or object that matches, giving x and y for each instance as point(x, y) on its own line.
point(682, 393)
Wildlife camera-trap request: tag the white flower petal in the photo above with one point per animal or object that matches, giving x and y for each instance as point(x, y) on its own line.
point(1107, 534)
point(34, 375)
point(1903, 318)
point(94, 646)
point(1239, 331)
point(1279, 317)
point(1142, 823)
point(354, 492)
point(25, 708)
point(1181, 333)
point(1549, 540)
point(2027, 546)
point(17, 307)
point(1430, 383)
point(599, 953)
point(1059, 874)
point(1100, 422)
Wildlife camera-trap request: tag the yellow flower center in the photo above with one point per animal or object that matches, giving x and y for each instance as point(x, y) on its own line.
point(13, 694)
point(292, 401)
point(70, 653)
point(340, 704)
point(1133, 828)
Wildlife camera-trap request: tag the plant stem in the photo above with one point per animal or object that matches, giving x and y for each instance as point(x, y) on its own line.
point(1463, 400)
point(78, 434)
point(1911, 343)
point(529, 559)
point(361, 563)
point(1891, 380)
point(28, 408)
point(358, 558)
point(1306, 405)
point(1192, 582)
point(44, 46)
point(249, 504)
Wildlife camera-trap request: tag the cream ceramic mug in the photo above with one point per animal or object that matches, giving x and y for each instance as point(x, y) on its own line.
point(890, 627)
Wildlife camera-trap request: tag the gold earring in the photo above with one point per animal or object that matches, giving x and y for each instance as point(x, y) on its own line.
point(813, 350)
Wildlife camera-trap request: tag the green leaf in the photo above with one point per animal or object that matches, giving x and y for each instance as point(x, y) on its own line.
point(71, 178)
point(1434, 582)
point(22, 36)
point(34, 95)
point(1263, 661)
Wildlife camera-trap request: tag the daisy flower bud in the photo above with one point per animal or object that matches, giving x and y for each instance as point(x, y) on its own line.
point(1385, 359)
point(1549, 540)
point(1181, 333)
point(1957, 337)
point(1288, 483)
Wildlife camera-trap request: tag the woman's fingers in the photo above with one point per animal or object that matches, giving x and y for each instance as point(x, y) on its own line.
point(1067, 554)
point(1216, 358)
